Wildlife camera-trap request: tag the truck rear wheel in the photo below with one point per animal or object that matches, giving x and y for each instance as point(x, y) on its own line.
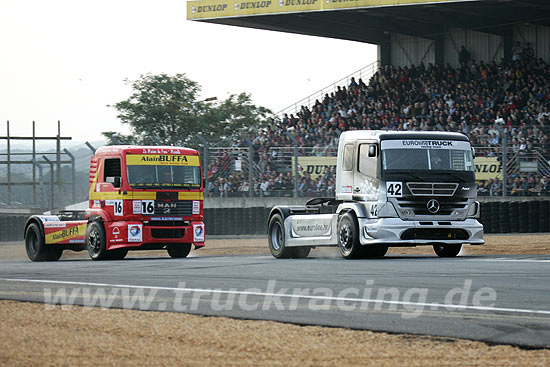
point(96, 241)
point(442, 250)
point(37, 249)
point(300, 252)
point(276, 238)
point(179, 250)
point(348, 237)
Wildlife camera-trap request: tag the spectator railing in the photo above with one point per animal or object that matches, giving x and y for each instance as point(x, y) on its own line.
point(364, 73)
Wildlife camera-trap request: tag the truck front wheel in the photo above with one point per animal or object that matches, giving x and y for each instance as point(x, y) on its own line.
point(179, 250)
point(96, 241)
point(447, 250)
point(276, 238)
point(372, 251)
point(348, 237)
point(37, 249)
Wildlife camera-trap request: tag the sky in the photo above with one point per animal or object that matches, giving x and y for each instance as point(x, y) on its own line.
point(67, 61)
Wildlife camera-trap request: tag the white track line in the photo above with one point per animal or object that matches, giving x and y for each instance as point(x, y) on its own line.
point(433, 306)
point(511, 260)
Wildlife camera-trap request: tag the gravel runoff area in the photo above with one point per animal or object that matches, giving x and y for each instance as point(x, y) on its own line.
point(30, 334)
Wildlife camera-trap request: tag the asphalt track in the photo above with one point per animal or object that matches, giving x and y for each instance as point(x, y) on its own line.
point(402, 294)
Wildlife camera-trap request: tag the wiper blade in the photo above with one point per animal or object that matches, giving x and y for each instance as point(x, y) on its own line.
point(139, 186)
point(406, 173)
point(179, 186)
point(454, 175)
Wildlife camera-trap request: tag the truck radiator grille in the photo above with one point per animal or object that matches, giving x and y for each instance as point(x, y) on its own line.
point(171, 208)
point(432, 188)
point(420, 205)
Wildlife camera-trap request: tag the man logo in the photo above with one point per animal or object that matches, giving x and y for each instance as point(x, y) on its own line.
point(433, 206)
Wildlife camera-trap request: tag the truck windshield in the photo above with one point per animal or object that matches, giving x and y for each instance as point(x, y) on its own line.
point(165, 174)
point(427, 159)
point(165, 177)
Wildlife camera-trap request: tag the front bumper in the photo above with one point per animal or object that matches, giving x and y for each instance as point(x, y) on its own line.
point(135, 234)
point(398, 232)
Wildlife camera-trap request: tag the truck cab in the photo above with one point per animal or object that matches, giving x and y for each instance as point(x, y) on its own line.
point(392, 189)
point(140, 198)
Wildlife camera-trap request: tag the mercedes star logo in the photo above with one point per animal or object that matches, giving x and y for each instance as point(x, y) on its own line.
point(433, 206)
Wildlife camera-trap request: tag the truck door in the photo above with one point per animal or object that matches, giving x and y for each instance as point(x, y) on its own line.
point(108, 187)
point(345, 169)
point(365, 179)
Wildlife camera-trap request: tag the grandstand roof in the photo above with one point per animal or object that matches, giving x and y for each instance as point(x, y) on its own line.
point(371, 20)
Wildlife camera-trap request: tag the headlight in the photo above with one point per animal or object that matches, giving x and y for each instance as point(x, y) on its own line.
point(407, 212)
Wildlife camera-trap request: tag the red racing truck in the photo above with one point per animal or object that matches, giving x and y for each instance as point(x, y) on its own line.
point(140, 198)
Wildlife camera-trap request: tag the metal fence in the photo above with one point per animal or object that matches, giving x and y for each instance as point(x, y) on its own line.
point(272, 172)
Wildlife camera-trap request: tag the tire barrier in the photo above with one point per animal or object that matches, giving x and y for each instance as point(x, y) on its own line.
point(544, 217)
point(484, 217)
point(12, 227)
point(524, 217)
point(533, 221)
point(505, 217)
point(496, 217)
point(514, 216)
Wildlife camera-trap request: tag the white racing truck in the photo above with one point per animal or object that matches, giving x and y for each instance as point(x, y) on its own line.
point(392, 189)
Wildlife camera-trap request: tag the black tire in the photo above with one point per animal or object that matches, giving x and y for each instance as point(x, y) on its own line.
point(276, 238)
point(37, 249)
point(96, 241)
point(300, 252)
point(348, 237)
point(447, 250)
point(118, 254)
point(373, 251)
point(179, 250)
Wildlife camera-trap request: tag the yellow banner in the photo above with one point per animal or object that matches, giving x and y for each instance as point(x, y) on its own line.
point(315, 166)
point(162, 160)
point(487, 167)
point(204, 9)
point(66, 234)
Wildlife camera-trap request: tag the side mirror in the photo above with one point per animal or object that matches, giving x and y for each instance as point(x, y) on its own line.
point(372, 150)
point(117, 181)
point(473, 152)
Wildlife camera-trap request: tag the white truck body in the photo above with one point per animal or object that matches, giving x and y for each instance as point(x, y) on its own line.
point(400, 188)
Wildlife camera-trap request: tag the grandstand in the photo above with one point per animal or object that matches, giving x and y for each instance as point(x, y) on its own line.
point(442, 65)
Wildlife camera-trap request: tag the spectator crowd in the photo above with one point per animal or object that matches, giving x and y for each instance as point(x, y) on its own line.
point(472, 99)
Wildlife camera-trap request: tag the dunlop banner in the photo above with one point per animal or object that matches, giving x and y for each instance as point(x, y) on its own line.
point(315, 166)
point(162, 160)
point(487, 167)
point(205, 9)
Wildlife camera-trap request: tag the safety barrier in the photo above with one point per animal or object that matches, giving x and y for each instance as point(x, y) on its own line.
point(497, 217)
point(12, 227)
point(516, 217)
